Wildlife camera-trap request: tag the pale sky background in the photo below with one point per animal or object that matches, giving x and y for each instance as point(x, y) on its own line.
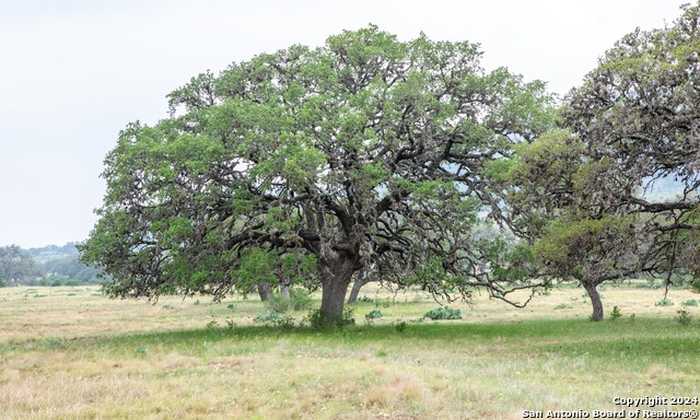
point(74, 72)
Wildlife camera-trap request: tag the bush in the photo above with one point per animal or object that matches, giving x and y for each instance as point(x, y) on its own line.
point(650, 283)
point(401, 326)
point(317, 322)
point(563, 306)
point(275, 319)
point(691, 302)
point(683, 317)
point(695, 285)
point(299, 300)
point(373, 314)
point(616, 313)
point(443, 312)
point(664, 302)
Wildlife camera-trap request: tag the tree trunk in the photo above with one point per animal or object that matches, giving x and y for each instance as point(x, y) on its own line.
point(284, 291)
point(264, 291)
point(591, 289)
point(335, 279)
point(360, 281)
point(355, 291)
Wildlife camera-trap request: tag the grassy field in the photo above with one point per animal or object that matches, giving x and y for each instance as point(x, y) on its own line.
point(71, 353)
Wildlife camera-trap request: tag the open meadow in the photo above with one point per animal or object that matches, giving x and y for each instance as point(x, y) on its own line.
point(69, 352)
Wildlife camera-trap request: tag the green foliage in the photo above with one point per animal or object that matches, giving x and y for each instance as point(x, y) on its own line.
point(257, 265)
point(563, 306)
point(401, 327)
point(585, 248)
point(275, 319)
point(317, 320)
point(290, 164)
point(443, 312)
point(695, 285)
point(684, 317)
point(509, 261)
point(373, 314)
point(691, 302)
point(60, 265)
point(664, 302)
point(297, 300)
point(616, 313)
point(615, 176)
point(17, 266)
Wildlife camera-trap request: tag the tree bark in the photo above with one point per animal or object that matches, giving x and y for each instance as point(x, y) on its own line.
point(360, 281)
point(335, 279)
point(264, 291)
point(591, 289)
point(284, 291)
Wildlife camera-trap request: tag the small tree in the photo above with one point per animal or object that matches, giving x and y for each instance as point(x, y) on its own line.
point(365, 151)
point(17, 266)
point(591, 251)
point(543, 185)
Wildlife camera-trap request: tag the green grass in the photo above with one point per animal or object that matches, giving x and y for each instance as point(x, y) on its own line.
point(125, 359)
point(645, 338)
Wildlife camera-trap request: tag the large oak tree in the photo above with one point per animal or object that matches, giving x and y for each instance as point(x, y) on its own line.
point(365, 152)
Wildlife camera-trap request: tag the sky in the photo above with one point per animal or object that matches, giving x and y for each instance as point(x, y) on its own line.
point(75, 72)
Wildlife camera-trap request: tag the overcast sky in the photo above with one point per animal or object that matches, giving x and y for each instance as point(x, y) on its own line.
point(74, 72)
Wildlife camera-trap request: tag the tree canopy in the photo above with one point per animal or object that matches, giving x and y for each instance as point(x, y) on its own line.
point(16, 265)
point(580, 193)
point(365, 152)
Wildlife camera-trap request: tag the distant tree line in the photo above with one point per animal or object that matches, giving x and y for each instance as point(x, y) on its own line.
point(53, 265)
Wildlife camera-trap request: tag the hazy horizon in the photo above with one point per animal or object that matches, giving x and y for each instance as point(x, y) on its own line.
point(73, 75)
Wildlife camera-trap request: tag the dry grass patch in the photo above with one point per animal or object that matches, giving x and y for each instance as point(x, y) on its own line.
point(85, 356)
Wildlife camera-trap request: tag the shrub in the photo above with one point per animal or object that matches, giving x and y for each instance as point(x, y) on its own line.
point(695, 285)
point(563, 306)
point(298, 300)
point(372, 315)
point(664, 302)
point(301, 299)
point(275, 319)
point(401, 326)
point(365, 299)
point(650, 284)
point(616, 313)
point(691, 302)
point(683, 317)
point(443, 312)
point(317, 322)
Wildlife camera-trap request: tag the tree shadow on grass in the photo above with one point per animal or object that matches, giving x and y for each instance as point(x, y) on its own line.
point(655, 337)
